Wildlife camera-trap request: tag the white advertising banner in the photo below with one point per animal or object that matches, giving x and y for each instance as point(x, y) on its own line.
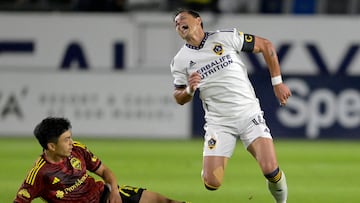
point(109, 105)
point(149, 41)
point(53, 41)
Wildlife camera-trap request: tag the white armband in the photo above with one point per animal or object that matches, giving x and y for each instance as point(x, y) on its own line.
point(276, 80)
point(188, 91)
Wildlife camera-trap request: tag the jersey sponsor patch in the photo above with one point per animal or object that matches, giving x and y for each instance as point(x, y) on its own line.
point(59, 194)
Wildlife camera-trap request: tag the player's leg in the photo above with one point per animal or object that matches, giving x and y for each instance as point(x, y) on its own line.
point(213, 171)
point(130, 194)
point(258, 141)
point(218, 147)
point(263, 151)
point(154, 197)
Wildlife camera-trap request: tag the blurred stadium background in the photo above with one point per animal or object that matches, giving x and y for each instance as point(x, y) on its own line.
point(104, 64)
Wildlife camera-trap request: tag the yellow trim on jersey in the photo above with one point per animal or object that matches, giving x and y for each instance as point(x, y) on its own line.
point(30, 179)
point(79, 144)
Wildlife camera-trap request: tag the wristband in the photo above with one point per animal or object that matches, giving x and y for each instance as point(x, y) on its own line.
point(188, 91)
point(276, 80)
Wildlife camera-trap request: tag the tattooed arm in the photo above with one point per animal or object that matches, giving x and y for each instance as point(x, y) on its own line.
point(264, 46)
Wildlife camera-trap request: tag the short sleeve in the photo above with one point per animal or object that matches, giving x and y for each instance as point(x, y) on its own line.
point(243, 42)
point(179, 74)
point(92, 162)
point(32, 185)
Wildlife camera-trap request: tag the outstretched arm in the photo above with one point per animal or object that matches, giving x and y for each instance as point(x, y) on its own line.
point(264, 46)
point(108, 176)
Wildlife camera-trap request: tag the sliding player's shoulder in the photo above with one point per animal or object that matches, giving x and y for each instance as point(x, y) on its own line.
point(79, 144)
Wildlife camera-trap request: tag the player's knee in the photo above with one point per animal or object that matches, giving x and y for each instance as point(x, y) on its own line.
point(268, 166)
point(211, 187)
point(211, 182)
point(213, 178)
point(274, 176)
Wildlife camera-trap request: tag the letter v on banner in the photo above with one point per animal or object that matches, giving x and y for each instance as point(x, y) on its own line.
point(318, 59)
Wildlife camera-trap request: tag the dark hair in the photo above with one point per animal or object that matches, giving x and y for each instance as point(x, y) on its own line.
point(189, 11)
point(50, 129)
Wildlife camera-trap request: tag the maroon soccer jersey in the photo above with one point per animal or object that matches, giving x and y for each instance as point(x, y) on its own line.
point(67, 181)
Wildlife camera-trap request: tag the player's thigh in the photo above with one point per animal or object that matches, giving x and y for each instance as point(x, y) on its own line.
point(257, 139)
point(263, 151)
point(214, 168)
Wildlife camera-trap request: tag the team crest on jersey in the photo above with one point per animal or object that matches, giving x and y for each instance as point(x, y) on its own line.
point(75, 163)
point(218, 49)
point(212, 143)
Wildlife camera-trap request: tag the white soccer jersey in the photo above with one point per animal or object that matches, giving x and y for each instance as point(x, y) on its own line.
point(225, 90)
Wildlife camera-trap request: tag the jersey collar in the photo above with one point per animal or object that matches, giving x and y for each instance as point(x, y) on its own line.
point(201, 44)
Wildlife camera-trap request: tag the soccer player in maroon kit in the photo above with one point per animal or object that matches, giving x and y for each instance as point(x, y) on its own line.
point(60, 173)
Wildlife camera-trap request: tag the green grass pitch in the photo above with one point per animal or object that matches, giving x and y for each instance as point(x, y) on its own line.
point(317, 171)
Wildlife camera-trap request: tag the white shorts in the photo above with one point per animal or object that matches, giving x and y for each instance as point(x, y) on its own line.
point(220, 140)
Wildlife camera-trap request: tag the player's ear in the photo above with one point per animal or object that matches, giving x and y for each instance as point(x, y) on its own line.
point(51, 146)
point(198, 19)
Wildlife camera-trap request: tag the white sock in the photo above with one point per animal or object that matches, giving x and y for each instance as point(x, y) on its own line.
point(279, 189)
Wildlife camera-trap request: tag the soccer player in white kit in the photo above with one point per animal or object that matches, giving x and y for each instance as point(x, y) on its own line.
point(210, 62)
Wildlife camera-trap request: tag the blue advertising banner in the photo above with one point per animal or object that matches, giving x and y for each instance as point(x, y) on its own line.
point(322, 106)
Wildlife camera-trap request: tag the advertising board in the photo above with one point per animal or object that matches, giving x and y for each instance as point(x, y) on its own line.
point(107, 105)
